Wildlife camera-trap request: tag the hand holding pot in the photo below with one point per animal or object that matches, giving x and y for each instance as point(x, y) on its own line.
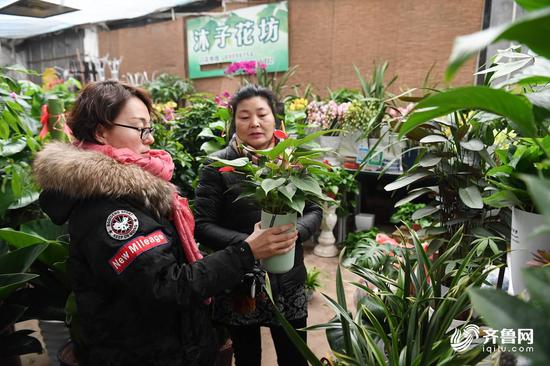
point(266, 243)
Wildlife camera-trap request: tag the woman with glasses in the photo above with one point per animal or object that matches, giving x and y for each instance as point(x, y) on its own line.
point(142, 287)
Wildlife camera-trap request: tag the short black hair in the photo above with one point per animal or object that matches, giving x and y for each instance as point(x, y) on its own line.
point(99, 104)
point(251, 91)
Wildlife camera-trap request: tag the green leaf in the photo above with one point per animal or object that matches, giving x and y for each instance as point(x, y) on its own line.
point(290, 331)
point(13, 281)
point(500, 171)
point(539, 190)
point(501, 310)
point(20, 239)
point(224, 114)
point(531, 5)
point(533, 80)
point(46, 229)
point(431, 139)
point(423, 212)
point(529, 30)
point(473, 145)
point(210, 147)
point(516, 108)
point(206, 132)
point(19, 261)
point(298, 203)
point(288, 190)
point(25, 200)
point(471, 197)
point(19, 343)
point(405, 181)
point(13, 147)
point(537, 281)
point(55, 252)
point(240, 162)
point(4, 130)
point(429, 160)
point(307, 184)
point(413, 195)
point(268, 184)
point(502, 199)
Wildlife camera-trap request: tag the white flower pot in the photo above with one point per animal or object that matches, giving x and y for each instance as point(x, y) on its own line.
point(331, 142)
point(364, 221)
point(349, 143)
point(284, 262)
point(523, 245)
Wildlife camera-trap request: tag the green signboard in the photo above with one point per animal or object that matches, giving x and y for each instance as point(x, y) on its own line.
point(258, 33)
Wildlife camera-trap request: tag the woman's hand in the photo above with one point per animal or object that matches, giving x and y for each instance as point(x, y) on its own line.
point(266, 243)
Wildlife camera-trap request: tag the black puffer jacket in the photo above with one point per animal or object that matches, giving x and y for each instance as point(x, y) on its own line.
point(138, 301)
point(221, 222)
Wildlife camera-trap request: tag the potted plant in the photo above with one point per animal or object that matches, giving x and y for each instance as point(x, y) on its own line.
point(14, 278)
point(46, 298)
point(312, 281)
point(281, 182)
point(167, 87)
point(327, 116)
point(392, 324)
point(519, 100)
point(340, 185)
point(502, 311)
point(525, 156)
point(254, 72)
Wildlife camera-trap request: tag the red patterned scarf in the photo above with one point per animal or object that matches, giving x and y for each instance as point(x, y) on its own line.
point(160, 164)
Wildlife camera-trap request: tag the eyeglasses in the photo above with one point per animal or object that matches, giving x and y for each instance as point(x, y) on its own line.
point(144, 132)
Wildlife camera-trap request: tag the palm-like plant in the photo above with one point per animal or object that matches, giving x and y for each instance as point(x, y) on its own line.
point(406, 319)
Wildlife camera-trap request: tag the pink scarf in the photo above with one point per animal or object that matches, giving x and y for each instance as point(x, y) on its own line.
point(160, 164)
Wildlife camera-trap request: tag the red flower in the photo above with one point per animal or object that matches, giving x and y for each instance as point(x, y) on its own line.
point(280, 134)
point(226, 169)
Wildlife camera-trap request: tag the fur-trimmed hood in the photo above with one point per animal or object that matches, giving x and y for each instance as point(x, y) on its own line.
point(64, 169)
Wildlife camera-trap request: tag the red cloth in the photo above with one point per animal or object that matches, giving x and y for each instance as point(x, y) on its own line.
point(160, 164)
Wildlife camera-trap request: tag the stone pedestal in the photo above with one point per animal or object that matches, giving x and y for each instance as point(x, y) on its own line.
point(326, 246)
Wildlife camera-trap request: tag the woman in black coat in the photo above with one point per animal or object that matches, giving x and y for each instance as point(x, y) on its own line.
point(222, 222)
point(142, 288)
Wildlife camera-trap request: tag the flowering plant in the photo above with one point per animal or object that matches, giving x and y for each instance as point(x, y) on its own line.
point(339, 184)
point(363, 116)
point(326, 115)
point(245, 67)
point(255, 72)
point(166, 110)
point(282, 179)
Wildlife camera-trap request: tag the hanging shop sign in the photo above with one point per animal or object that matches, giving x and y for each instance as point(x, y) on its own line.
point(258, 33)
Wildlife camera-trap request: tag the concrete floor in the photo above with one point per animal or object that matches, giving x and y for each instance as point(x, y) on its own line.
point(319, 312)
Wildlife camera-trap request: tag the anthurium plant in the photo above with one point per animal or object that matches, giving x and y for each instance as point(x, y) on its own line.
point(284, 177)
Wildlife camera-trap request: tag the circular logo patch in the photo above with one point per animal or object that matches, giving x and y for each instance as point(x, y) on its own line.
point(121, 224)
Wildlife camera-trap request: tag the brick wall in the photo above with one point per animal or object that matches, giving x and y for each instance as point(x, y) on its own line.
point(327, 37)
point(158, 47)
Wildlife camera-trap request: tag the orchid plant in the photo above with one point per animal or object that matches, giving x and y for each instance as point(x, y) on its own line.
point(282, 180)
point(327, 115)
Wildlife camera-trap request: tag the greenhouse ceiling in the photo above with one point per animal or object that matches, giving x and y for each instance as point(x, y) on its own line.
point(88, 12)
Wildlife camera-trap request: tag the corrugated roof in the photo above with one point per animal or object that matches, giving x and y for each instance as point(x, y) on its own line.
point(90, 11)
